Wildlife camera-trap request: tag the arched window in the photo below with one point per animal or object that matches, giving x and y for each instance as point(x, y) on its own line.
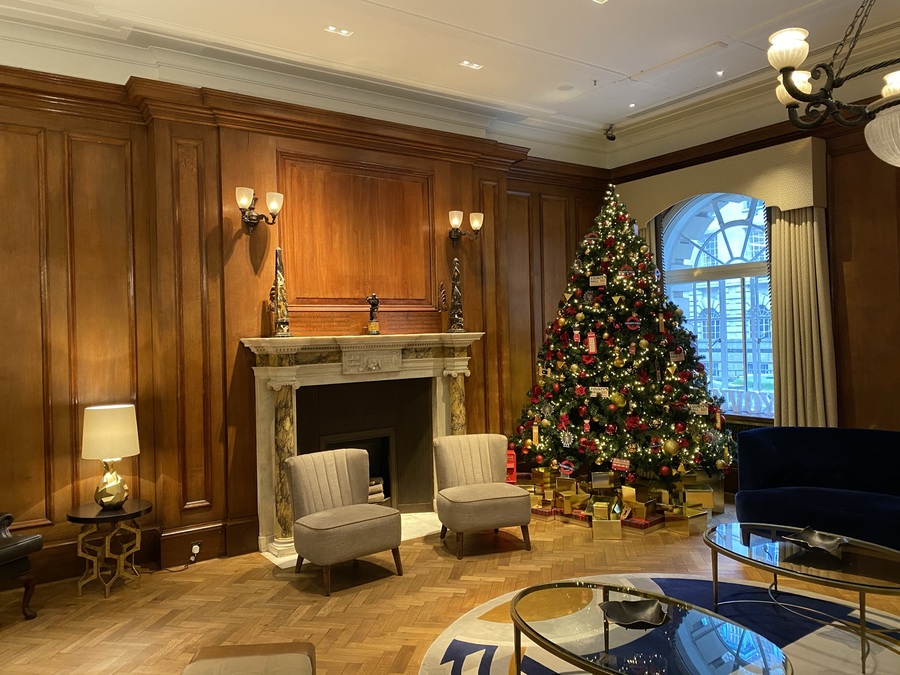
point(715, 257)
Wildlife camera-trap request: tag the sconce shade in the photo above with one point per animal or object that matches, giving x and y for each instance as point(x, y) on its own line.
point(456, 219)
point(789, 48)
point(109, 432)
point(244, 196)
point(476, 220)
point(274, 201)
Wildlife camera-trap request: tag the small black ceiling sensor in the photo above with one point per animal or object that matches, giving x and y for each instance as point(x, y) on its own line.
point(610, 136)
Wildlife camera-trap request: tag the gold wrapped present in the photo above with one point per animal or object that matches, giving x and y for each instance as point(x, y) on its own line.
point(687, 521)
point(635, 493)
point(540, 476)
point(606, 529)
point(536, 499)
point(661, 496)
point(602, 479)
point(641, 509)
point(566, 485)
point(699, 494)
point(604, 508)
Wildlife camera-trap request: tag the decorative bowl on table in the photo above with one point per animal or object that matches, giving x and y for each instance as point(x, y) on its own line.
point(634, 613)
point(810, 539)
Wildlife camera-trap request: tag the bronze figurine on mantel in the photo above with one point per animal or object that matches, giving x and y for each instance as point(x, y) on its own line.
point(456, 312)
point(373, 314)
point(278, 303)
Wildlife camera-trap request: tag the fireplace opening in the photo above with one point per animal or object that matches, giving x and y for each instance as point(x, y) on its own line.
point(363, 415)
point(380, 445)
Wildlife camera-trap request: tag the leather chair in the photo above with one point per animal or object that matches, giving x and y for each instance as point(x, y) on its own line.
point(472, 490)
point(14, 562)
point(333, 521)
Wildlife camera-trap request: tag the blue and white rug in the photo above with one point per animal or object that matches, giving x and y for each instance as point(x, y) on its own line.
point(481, 641)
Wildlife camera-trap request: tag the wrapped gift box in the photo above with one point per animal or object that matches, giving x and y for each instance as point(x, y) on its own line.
point(602, 479)
point(566, 485)
point(641, 509)
point(605, 508)
point(541, 513)
point(576, 517)
point(606, 529)
point(643, 525)
point(568, 501)
point(687, 521)
point(699, 494)
point(661, 496)
point(715, 482)
point(635, 493)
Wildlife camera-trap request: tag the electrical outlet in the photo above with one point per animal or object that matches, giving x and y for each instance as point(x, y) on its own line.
point(195, 550)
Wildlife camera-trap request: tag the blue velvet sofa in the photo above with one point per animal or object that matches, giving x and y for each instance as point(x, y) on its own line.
point(843, 481)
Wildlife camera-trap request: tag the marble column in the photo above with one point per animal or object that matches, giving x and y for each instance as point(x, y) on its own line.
point(457, 397)
point(285, 447)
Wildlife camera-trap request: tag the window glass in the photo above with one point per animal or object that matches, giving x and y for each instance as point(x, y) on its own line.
point(715, 265)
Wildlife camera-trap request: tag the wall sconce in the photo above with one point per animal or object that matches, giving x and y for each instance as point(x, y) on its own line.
point(476, 220)
point(246, 199)
point(109, 433)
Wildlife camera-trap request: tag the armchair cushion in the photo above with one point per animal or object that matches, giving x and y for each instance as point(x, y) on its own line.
point(346, 532)
point(484, 506)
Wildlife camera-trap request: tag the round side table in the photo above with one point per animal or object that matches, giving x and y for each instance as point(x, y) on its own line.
point(108, 538)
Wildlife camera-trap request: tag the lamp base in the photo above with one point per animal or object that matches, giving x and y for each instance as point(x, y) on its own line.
point(112, 491)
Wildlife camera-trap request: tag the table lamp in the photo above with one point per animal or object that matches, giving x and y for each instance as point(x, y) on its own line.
point(110, 433)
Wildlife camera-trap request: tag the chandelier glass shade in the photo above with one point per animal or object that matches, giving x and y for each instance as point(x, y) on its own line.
point(787, 53)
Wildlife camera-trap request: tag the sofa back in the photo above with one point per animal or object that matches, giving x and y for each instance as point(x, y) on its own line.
point(867, 460)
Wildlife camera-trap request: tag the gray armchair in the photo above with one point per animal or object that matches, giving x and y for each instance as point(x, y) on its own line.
point(333, 521)
point(14, 562)
point(472, 490)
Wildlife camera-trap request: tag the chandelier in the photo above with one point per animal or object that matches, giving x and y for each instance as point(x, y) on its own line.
point(786, 54)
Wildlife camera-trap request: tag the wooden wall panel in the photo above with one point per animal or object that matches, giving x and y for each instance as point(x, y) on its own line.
point(864, 246)
point(101, 242)
point(24, 423)
point(521, 277)
point(555, 254)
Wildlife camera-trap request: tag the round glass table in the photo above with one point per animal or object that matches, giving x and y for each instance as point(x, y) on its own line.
point(614, 629)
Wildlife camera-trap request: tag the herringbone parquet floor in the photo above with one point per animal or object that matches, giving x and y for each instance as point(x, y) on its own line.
point(374, 622)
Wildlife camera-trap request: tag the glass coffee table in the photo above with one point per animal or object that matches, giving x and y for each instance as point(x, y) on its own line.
point(815, 557)
point(637, 633)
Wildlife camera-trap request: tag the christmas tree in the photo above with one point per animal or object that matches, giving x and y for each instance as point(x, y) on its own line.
point(619, 385)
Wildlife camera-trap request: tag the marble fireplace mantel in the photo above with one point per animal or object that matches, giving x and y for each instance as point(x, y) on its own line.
point(285, 363)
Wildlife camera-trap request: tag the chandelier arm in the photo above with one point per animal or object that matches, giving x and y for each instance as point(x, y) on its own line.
point(824, 92)
point(850, 115)
point(814, 118)
point(862, 71)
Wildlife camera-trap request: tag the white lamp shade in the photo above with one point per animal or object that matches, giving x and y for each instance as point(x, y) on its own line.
point(789, 48)
point(244, 196)
point(883, 135)
point(274, 200)
point(109, 432)
point(456, 219)
point(800, 78)
point(891, 84)
point(476, 220)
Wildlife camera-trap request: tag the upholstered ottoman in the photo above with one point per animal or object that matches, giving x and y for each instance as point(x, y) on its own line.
point(292, 658)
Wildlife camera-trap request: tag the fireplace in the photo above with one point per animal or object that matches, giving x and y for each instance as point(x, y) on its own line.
point(423, 372)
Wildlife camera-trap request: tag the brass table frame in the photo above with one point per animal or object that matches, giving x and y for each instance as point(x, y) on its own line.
point(109, 552)
point(866, 635)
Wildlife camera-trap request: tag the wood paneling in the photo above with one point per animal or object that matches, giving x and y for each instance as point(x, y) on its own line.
point(864, 246)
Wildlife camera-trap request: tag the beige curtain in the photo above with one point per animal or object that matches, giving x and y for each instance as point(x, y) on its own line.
point(802, 340)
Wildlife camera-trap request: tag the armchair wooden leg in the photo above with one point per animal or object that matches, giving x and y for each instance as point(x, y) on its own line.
point(396, 552)
point(459, 543)
point(27, 580)
point(326, 577)
point(299, 562)
point(443, 531)
point(526, 537)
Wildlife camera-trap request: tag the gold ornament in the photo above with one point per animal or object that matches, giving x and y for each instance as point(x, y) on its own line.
point(643, 343)
point(599, 460)
point(561, 321)
point(727, 455)
point(618, 399)
point(720, 464)
point(528, 443)
point(679, 311)
point(606, 336)
point(644, 249)
point(574, 368)
point(670, 447)
point(545, 422)
point(618, 362)
point(579, 316)
point(554, 465)
point(560, 365)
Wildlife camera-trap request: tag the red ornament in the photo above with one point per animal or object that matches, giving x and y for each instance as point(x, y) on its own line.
point(630, 477)
point(610, 242)
point(683, 442)
point(579, 293)
point(520, 429)
point(698, 458)
point(510, 446)
point(612, 407)
point(582, 410)
point(642, 266)
point(666, 388)
point(610, 429)
point(665, 470)
point(556, 387)
point(539, 459)
point(679, 427)
point(582, 375)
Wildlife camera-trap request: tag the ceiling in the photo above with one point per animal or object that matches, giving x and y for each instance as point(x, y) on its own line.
point(556, 73)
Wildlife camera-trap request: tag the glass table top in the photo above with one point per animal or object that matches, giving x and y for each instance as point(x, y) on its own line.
point(566, 619)
point(852, 564)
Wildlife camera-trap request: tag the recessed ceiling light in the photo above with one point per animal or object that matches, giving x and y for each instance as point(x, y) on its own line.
point(720, 73)
point(599, 2)
point(631, 105)
point(470, 64)
point(343, 32)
